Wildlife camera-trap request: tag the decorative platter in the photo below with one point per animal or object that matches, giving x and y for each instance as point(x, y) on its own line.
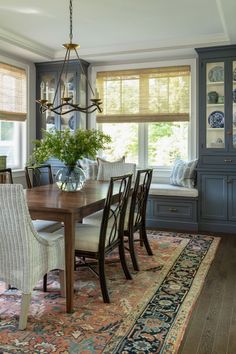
point(216, 74)
point(234, 74)
point(71, 123)
point(216, 119)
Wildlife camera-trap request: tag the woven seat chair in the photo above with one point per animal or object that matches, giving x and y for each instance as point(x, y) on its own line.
point(135, 219)
point(96, 242)
point(25, 255)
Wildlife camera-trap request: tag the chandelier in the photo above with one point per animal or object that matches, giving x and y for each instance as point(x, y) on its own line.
point(67, 105)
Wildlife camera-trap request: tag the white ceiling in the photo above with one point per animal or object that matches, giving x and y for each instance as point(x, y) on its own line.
point(115, 31)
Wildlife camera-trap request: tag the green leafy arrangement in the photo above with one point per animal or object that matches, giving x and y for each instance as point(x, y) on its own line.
point(68, 147)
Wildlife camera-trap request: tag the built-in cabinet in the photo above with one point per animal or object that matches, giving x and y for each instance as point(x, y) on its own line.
point(47, 77)
point(217, 139)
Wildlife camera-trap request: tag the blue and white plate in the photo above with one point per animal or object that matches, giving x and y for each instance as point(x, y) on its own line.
point(216, 119)
point(216, 74)
point(71, 123)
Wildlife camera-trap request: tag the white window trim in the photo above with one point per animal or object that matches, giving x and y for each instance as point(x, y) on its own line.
point(29, 131)
point(162, 173)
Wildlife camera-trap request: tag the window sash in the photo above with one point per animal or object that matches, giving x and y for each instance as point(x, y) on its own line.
point(12, 93)
point(151, 95)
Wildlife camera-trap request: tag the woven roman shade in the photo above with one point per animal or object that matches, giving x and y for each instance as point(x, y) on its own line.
point(145, 95)
point(12, 93)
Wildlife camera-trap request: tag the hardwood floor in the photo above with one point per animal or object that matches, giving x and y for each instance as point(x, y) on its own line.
point(212, 327)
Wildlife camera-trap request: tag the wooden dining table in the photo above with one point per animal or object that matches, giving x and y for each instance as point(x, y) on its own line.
point(50, 203)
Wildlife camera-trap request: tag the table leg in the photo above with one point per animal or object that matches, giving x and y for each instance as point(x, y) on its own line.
point(69, 225)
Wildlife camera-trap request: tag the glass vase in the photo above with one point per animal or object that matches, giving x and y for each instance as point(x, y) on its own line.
point(70, 178)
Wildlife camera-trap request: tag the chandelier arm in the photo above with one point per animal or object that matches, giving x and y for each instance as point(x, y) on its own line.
point(82, 69)
point(60, 75)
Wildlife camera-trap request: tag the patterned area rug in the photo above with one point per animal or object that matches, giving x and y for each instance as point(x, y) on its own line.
point(148, 314)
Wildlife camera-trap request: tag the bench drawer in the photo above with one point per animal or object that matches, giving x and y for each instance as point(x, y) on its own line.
point(172, 210)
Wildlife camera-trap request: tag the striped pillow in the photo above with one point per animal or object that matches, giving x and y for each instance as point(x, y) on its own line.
point(112, 169)
point(183, 173)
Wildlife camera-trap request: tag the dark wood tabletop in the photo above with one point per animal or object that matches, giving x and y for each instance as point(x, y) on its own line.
point(50, 203)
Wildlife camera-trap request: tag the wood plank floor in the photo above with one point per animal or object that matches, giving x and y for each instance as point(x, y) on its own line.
point(212, 327)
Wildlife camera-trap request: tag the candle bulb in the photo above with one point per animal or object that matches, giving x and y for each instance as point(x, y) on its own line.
point(96, 94)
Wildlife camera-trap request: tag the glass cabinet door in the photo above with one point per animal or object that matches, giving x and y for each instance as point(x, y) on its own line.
point(234, 104)
point(215, 108)
point(47, 92)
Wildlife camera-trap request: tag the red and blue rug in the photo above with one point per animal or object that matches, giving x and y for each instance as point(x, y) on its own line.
point(148, 314)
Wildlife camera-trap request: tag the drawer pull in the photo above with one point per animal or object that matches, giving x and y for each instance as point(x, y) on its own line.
point(173, 210)
point(228, 160)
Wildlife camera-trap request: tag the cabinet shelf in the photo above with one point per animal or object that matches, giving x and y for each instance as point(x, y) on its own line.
point(214, 83)
point(215, 105)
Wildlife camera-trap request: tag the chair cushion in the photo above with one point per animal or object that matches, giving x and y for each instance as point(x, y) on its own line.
point(46, 225)
point(87, 237)
point(173, 191)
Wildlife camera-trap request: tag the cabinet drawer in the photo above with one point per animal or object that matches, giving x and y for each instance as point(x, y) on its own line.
point(173, 210)
point(219, 160)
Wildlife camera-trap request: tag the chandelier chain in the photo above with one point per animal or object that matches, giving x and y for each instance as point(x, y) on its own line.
point(71, 19)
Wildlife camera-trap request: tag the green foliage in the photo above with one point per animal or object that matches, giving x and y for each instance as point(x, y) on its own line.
point(68, 147)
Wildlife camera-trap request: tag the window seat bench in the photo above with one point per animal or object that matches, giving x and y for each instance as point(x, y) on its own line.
point(172, 207)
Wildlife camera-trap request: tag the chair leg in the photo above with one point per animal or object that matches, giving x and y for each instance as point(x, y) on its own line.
point(123, 261)
point(143, 237)
point(132, 251)
point(102, 279)
point(62, 275)
point(25, 302)
point(45, 283)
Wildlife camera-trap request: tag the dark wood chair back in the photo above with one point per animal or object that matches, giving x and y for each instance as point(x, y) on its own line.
point(113, 217)
point(137, 214)
point(38, 175)
point(6, 176)
point(138, 206)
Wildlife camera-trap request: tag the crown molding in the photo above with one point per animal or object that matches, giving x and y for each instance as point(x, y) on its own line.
point(25, 44)
point(142, 50)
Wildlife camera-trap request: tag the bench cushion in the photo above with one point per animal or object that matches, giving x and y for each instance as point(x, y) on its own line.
point(174, 191)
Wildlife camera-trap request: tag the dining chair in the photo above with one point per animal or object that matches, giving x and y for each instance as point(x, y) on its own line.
point(136, 216)
point(6, 175)
point(25, 254)
point(96, 242)
point(135, 219)
point(38, 175)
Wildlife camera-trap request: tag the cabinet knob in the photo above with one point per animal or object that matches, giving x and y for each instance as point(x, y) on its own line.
point(173, 210)
point(229, 181)
point(229, 132)
point(228, 160)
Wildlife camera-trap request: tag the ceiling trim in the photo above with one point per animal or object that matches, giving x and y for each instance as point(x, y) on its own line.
point(24, 43)
point(151, 47)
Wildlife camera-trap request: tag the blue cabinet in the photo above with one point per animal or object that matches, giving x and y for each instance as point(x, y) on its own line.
point(216, 176)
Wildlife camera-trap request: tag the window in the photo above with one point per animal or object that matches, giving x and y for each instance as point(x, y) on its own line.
point(147, 113)
point(12, 113)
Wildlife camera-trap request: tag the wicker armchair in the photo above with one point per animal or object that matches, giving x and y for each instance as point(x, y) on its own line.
point(25, 255)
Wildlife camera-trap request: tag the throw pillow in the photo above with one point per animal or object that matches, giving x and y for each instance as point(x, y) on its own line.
point(112, 169)
point(101, 161)
point(90, 168)
point(183, 173)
